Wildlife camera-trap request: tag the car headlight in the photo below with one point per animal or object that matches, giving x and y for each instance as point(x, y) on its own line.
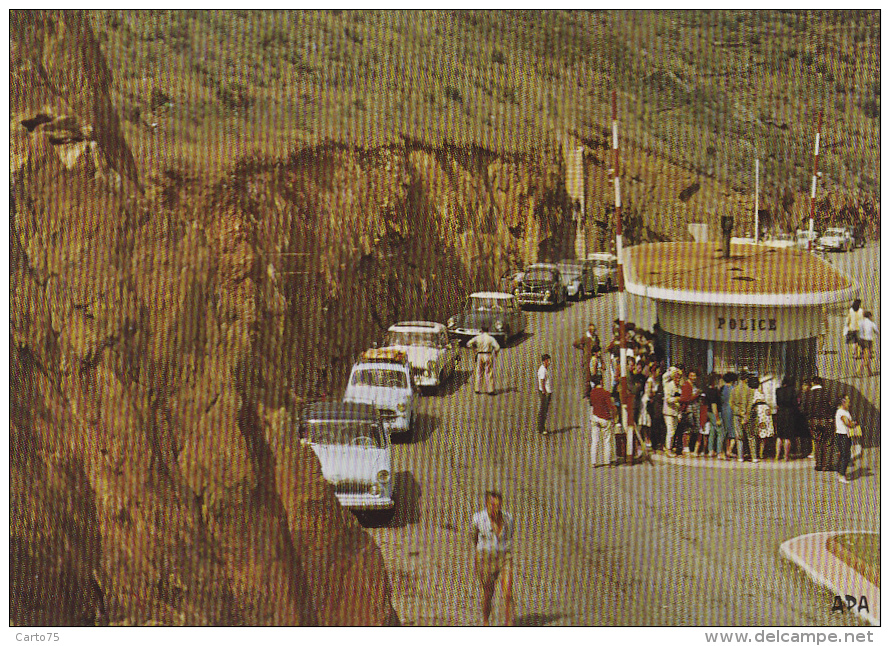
point(516, 291)
point(383, 476)
point(547, 294)
point(374, 489)
point(452, 321)
point(402, 407)
point(499, 325)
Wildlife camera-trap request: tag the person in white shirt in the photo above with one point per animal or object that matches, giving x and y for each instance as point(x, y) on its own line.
point(854, 317)
point(486, 348)
point(843, 422)
point(867, 330)
point(545, 392)
point(493, 540)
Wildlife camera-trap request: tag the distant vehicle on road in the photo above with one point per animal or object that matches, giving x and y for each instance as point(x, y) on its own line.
point(785, 240)
point(382, 377)
point(578, 277)
point(354, 450)
point(605, 268)
point(542, 285)
point(806, 241)
point(432, 356)
point(836, 239)
point(510, 280)
point(498, 311)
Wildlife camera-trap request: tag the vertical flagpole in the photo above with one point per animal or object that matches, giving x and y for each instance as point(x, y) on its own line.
point(756, 200)
point(622, 302)
point(815, 175)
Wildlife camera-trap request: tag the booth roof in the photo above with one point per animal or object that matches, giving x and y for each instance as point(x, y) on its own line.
point(696, 272)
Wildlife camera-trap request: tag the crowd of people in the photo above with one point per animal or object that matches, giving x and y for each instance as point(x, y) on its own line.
point(723, 416)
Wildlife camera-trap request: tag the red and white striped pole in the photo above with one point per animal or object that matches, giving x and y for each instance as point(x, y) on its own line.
point(815, 179)
point(626, 404)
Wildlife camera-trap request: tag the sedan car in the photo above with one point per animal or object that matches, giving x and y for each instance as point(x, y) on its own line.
point(432, 356)
point(578, 277)
point(382, 377)
point(354, 450)
point(497, 311)
point(836, 239)
point(605, 268)
point(541, 285)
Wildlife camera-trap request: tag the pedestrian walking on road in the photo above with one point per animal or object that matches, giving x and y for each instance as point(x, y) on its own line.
point(816, 406)
point(867, 331)
point(486, 348)
point(851, 326)
point(545, 392)
point(843, 426)
point(589, 344)
point(602, 424)
point(493, 540)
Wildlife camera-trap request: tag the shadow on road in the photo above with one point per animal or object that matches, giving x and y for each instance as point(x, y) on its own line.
point(519, 339)
point(408, 493)
point(537, 619)
point(424, 426)
point(863, 411)
point(457, 381)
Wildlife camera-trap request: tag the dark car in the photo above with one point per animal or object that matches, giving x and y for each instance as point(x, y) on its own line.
point(497, 311)
point(578, 277)
point(541, 286)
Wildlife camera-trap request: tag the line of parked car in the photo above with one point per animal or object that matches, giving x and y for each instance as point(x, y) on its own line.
point(352, 437)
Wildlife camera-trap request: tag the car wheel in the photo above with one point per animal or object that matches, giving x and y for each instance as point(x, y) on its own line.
point(609, 285)
point(581, 294)
point(502, 339)
point(383, 517)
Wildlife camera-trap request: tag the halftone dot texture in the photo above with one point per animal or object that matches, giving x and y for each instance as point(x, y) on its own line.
point(214, 212)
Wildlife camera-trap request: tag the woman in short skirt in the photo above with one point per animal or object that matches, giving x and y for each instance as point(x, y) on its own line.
point(764, 418)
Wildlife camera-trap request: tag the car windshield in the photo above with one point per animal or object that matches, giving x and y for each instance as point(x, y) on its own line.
point(834, 232)
point(571, 271)
point(343, 432)
point(539, 275)
point(380, 378)
point(484, 304)
point(423, 339)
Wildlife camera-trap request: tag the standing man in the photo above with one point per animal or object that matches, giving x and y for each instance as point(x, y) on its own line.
point(740, 401)
point(727, 445)
point(867, 330)
point(493, 540)
point(589, 344)
point(545, 392)
point(486, 348)
point(689, 412)
point(816, 407)
point(602, 420)
point(844, 423)
point(671, 407)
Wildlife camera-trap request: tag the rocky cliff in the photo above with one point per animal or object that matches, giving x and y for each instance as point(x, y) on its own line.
point(164, 333)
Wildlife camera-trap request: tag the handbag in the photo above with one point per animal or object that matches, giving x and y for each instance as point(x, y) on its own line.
point(855, 431)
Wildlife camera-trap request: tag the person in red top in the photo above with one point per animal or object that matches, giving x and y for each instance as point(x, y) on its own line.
point(602, 420)
point(689, 412)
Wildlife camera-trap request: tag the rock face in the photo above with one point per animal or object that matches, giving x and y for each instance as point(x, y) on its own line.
point(161, 341)
point(152, 480)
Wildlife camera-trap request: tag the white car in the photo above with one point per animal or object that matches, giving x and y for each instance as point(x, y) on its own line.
point(605, 268)
point(432, 356)
point(836, 239)
point(382, 377)
point(354, 450)
point(806, 241)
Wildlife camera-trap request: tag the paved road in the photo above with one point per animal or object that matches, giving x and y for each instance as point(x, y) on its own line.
point(662, 545)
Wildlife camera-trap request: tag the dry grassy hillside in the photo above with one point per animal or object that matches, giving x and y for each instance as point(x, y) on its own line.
point(704, 92)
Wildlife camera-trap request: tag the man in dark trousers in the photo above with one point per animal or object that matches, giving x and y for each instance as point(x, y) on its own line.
point(816, 407)
point(589, 344)
point(545, 392)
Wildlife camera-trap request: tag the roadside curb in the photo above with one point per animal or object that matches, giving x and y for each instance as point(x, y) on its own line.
point(810, 553)
point(714, 463)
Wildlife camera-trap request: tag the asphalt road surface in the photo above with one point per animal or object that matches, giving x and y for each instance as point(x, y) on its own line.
point(662, 545)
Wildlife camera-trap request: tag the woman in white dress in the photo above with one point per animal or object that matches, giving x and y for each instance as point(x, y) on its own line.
point(764, 417)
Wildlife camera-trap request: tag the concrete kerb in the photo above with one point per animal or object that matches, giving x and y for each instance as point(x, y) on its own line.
point(810, 553)
point(714, 463)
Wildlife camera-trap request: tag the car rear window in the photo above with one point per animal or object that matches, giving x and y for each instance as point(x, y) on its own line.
point(380, 378)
